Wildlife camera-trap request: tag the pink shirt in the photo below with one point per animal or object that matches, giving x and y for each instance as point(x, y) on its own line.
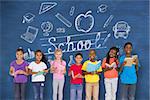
point(60, 66)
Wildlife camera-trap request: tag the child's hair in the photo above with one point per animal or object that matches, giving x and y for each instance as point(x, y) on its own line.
point(80, 54)
point(20, 49)
point(58, 50)
point(44, 59)
point(108, 57)
point(127, 43)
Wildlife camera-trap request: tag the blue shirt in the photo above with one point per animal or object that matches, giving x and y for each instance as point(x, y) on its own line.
point(128, 74)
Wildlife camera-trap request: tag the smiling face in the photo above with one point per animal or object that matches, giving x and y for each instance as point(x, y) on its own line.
point(92, 54)
point(112, 53)
point(58, 55)
point(38, 56)
point(128, 49)
point(78, 59)
point(19, 55)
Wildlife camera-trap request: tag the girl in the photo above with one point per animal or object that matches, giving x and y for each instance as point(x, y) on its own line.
point(128, 73)
point(37, 69)
point(58, 68)
point(109, 65)
point(19, 70)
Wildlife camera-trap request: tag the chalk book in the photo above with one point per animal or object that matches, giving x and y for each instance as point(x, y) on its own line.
point(93, 67)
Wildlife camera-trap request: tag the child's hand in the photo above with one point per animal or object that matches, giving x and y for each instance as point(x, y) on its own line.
point(110, 68)
point(135, 61)
point(63, 71)
point(46, 71)
point(124, 63)
point(53, 69)
point(80, 76)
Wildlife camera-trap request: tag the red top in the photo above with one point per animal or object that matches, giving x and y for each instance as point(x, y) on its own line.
point(76, 70)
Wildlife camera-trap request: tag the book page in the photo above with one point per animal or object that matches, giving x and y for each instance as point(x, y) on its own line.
point(129, 61)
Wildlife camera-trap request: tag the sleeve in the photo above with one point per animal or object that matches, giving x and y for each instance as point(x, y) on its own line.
point(121, 60)
point(64, 63)
point(70, 69)
point(12, 64)
point(30, 66)
point(103, 63)
point(26, 63)
point(84, 66)
point(44, 66)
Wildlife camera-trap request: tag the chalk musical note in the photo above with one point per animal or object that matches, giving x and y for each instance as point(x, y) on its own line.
point(98, 36)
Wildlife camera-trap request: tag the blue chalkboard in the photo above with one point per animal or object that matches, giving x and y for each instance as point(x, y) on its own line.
point(74, 26)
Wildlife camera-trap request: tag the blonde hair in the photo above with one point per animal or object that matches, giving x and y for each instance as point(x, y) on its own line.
point(58, 50)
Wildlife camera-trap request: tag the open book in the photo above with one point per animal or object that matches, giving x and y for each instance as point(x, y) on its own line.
point(39, 73)
point(130, 60)
point(113, 65)
point(93, 67)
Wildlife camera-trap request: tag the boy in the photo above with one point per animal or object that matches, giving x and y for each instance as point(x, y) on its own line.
point(76, 78)
point(128, 73)
point(91, 78)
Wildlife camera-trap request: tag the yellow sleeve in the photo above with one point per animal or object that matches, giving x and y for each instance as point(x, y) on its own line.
point(84, 66)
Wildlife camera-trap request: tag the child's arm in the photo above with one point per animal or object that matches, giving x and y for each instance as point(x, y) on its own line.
point(121, 67)
point(136, 61)
point(64, 71)
point(31, 73)
point(107, 69)
point(46, 70)
point(86, 73)
point(52, 69)
point(76, 76)
point(22, 71)
point(11, 71)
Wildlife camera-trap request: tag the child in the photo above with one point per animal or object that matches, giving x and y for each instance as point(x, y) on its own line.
point(76, 78)
point(19, 70)
point(128, 73)
point(91, 78)
point(58, 68)
point(37, 69)
point(109, 65)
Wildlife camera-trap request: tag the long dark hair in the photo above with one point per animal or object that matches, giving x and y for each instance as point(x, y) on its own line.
point(108, 57)
point(44, 59)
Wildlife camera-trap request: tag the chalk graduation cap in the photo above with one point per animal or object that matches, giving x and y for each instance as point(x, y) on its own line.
point(45, 6)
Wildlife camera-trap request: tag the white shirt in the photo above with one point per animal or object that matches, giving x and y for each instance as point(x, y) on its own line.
point(36, 68)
